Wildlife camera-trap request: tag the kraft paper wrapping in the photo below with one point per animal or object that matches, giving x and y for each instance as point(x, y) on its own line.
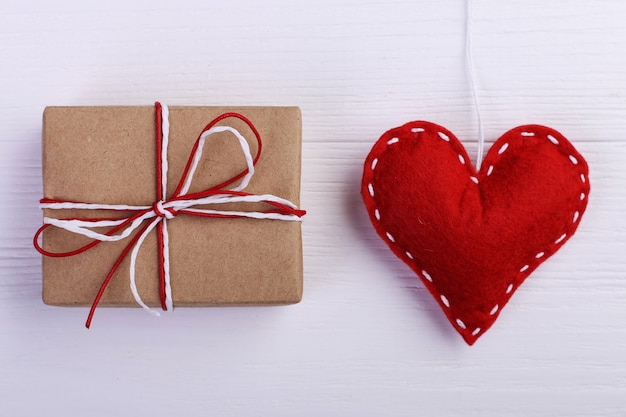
point(107, 155)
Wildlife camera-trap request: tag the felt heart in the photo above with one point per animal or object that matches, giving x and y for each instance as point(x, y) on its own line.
point(474, 237)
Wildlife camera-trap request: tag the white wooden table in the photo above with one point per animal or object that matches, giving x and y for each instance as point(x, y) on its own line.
point(367, 339)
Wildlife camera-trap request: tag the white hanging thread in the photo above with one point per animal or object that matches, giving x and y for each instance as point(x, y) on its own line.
point(469, 62)
point(84, 227)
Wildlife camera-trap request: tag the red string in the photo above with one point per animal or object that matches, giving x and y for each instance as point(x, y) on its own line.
point(217, 189)
point(106, 281)
point(195, 147)
point(87, 246)
point(159, 193)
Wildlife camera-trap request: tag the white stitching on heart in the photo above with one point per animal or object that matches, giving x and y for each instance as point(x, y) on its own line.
point(444, 300)
point(553, 139)
point(427, 275)
point(576, 216)
point(524, 268)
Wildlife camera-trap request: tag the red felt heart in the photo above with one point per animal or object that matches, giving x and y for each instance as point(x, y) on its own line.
point(474, 237)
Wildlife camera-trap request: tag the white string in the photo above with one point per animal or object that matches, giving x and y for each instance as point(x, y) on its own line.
point(91, 206)
point(169, 303)
point(469, 61)
point(250, 214)
point(225, 198)
point(165, 139)
point(133, 261)
point(83, 227)
point(244, 147)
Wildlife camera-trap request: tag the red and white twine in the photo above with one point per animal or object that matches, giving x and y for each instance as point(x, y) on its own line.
point(162, 210)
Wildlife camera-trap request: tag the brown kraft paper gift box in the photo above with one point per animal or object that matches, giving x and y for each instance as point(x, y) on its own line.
point(107, 155)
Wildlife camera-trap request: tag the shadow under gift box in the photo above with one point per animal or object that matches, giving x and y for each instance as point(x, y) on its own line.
point(107, 155)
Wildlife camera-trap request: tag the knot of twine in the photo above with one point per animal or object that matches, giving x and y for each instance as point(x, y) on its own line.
point(157, 214)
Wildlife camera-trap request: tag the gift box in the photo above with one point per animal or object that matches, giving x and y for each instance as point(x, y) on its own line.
point(106, 155)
